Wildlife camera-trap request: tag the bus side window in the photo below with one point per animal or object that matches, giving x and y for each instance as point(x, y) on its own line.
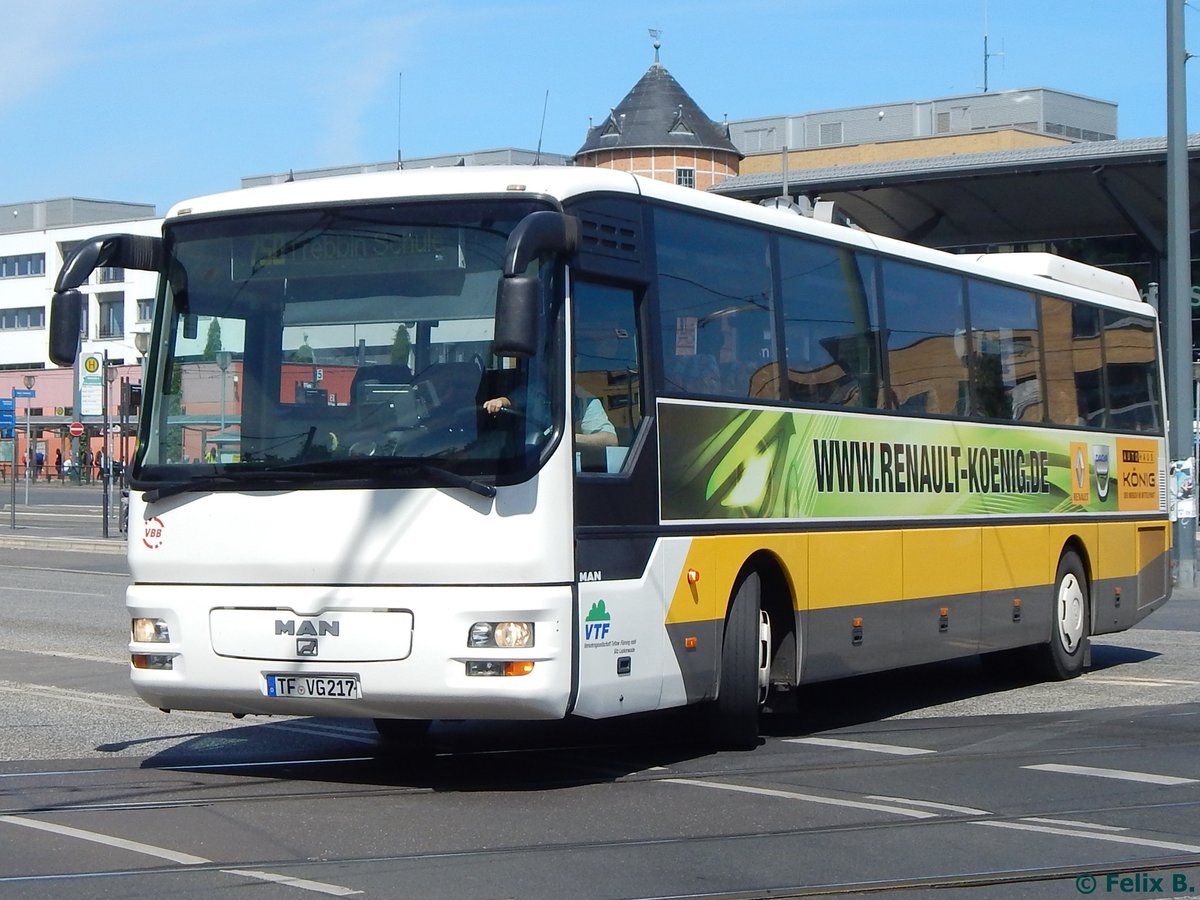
point(715, 305)
point(1006, 361)
point(926, 327)
point(607, 407)
point(830, 324)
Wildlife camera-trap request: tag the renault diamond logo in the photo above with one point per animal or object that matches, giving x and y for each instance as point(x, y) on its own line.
point(306, 646)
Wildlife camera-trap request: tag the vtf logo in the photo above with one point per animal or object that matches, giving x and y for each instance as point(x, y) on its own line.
point(595, 631)
point(595, 626)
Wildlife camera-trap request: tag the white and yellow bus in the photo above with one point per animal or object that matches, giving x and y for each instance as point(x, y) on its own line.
point(528, 443)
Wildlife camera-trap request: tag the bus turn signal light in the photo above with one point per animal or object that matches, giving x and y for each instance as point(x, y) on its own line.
point(498, 668)
point(152, 661)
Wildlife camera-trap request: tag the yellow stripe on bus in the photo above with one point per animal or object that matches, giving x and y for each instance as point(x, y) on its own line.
point(831, 569)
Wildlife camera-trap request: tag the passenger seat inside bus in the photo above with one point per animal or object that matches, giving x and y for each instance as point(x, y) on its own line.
point(379, 374)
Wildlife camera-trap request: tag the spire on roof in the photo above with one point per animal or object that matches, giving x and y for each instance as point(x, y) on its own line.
point(656, 35)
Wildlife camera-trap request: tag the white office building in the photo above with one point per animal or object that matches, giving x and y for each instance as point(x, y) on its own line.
point(34, 239)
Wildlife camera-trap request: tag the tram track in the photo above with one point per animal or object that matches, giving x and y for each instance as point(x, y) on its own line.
point(967, 879)
point(286, 789)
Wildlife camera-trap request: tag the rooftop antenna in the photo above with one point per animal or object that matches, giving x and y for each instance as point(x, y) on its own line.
point(399, 109)
point(537, 157)
point(656, 36)
point(986, 54)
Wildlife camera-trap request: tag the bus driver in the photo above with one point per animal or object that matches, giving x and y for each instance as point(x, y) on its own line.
point(593, 428)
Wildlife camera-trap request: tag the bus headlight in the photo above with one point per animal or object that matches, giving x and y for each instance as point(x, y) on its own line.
point(150, 631)
point(505, 635)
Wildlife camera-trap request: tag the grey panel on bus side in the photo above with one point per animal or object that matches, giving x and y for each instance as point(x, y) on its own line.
point(699, 667)
point(912, 632)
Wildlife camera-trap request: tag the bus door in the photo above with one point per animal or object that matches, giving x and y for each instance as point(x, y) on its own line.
point(621, 600)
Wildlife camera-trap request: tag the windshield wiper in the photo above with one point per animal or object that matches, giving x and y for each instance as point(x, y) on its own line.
point(453, 479)
point(343, 475)
point(222, 482)
point(366, 470)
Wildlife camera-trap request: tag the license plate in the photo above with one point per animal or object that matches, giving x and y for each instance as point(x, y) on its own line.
point(336, 687)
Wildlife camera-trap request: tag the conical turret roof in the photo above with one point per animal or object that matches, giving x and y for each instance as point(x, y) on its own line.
point(658, 113)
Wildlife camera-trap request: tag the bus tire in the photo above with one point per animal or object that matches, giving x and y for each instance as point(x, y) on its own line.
point(1063, 656)
point(402, 731)
point(733, 716)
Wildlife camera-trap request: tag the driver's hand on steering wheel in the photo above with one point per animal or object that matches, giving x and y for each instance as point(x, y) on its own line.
point(496, 404)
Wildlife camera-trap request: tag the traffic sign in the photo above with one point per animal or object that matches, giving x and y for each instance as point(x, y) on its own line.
point(21, 392)
point(77, 429)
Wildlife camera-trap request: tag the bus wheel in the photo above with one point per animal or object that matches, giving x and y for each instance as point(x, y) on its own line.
point(1063, 656)
point(745, 669)
point(402, 731)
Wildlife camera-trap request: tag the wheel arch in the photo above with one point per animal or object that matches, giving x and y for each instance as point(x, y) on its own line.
point(776, 599)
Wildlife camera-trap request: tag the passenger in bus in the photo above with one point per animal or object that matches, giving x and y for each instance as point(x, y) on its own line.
point(592, 424)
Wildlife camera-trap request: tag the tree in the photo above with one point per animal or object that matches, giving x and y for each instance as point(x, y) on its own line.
point(401, 346)
point(304, 353)
point(213, 342)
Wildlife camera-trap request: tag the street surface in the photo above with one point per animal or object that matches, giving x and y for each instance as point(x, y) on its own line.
point(934, 781)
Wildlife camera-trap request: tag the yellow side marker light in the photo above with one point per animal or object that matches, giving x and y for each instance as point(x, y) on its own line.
point(523, 667)
point(693, 576)
point(689, 643)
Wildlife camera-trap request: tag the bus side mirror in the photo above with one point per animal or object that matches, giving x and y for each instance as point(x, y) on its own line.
point(66, 317)
point(125, 251)
point(518, 295)
point(518, 302)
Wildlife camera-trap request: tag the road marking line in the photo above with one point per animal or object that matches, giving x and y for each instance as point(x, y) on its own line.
point(250, 764)
point(1074, 823)
point(1142, 682)
point(966, 810)
point(1095, 836)
point(174, 856)
point(1118, 774)
point(811, 798)
point(137, 705)
point(303, 883)
point(31, 590)
point(893, 749)
point(53, 774)
point(81, 657)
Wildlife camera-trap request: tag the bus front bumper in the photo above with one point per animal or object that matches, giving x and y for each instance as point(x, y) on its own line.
point(346, 651)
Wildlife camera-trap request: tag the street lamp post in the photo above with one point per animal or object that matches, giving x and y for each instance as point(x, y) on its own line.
point(223, 358)
point(110, 375)
point(29, 380)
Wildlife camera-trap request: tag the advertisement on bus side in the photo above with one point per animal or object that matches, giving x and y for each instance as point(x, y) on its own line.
point(729, 463)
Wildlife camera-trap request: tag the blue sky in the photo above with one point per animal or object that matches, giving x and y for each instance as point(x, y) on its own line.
point(154, 101)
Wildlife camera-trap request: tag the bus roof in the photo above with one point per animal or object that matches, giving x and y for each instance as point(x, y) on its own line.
point(1029, 270)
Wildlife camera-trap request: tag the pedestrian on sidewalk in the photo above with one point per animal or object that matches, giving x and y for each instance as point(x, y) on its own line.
point(58, 465)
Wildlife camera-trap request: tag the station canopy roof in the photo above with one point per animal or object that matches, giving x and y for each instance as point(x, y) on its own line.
point(1085, 190)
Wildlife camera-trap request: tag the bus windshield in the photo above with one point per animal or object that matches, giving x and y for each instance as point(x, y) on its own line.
point(339, 344)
